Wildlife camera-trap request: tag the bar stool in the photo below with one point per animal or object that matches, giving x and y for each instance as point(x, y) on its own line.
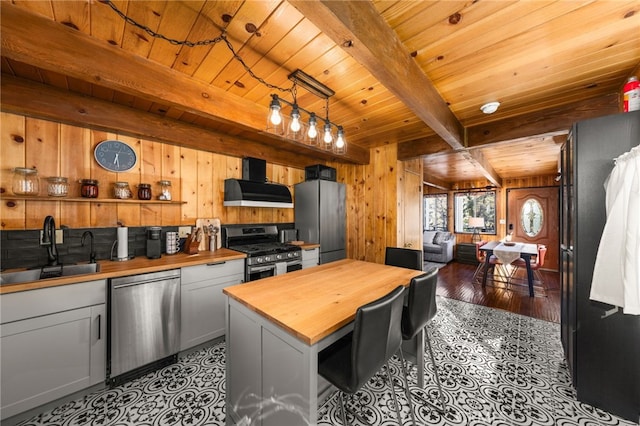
point(351, 361)
point(404, 258)
point(416, 315)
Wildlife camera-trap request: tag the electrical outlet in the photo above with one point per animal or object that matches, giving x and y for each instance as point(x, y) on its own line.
point(59, 236)
point(183, 231)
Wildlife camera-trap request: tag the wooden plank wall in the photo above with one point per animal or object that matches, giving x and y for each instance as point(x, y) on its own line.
point(409, 204)
point(57, 149)
point(526, 182)
point(376, 216)
point(372, 204)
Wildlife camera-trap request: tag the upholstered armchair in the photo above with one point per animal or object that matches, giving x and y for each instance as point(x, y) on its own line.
point(438, 246)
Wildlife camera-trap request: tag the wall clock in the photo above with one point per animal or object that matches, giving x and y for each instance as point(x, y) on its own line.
point(115, 156)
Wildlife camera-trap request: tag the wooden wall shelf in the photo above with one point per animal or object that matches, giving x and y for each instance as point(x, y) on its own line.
point(86, 200)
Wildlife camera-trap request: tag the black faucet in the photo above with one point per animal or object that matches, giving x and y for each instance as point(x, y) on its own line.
point(49, 239)
point(92, 253)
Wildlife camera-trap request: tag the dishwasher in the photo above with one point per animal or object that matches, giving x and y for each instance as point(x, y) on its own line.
point(143, 323)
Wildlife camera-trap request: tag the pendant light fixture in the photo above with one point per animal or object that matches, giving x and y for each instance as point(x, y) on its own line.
point(297, 129)
point(274, 119)
point(312, 132)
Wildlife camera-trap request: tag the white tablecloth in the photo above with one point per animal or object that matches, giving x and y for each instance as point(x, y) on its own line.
point(507, 254)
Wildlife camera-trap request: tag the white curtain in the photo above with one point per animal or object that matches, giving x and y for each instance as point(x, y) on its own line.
point(616, 274)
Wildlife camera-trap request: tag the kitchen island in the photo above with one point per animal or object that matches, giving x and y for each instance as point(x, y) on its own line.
point(276, 327)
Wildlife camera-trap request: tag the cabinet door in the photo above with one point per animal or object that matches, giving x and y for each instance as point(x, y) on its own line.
point(203, 303)
point(47, 357)
point(310, 257)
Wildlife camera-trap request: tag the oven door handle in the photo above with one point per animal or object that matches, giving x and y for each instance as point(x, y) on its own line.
point(254, 269)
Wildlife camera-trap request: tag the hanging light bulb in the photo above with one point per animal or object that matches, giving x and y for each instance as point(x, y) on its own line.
point(328, 138)
point(312, 133)
point(340, 147)
point(295, 119)
point(274, 107)
point(340, 140)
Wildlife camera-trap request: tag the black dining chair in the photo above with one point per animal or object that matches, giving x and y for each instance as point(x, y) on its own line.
point(419, 311)
point(351, 361)
point(403, 257)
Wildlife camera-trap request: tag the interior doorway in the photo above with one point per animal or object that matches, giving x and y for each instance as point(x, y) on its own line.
point(533, 217)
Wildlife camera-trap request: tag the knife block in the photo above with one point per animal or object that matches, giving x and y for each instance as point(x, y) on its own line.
point(191, 247)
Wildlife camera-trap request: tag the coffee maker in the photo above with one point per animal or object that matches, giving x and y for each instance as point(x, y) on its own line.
point(154, 242)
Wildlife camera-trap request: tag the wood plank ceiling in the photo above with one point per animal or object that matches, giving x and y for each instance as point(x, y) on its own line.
point(408, 72)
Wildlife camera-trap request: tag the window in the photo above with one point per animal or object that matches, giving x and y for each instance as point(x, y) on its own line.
point(480, 204)
point(435, 212)
point(531, 217)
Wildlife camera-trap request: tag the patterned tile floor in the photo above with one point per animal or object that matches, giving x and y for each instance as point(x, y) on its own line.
point(496, 368)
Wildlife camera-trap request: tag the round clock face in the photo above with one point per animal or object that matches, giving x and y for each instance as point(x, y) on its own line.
point(115, 156)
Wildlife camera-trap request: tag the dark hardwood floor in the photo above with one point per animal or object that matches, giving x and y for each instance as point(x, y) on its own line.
point(455, 281)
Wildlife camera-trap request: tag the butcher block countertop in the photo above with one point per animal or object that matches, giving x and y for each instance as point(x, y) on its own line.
point(137, 265)
point(313, 303)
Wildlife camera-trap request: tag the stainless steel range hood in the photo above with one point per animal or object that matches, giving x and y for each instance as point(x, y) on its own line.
point(247, 193)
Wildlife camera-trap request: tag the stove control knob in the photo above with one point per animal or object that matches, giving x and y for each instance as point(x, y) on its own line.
point(258, 260)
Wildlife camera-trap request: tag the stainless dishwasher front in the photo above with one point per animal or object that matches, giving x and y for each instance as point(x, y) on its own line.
point(144, 323)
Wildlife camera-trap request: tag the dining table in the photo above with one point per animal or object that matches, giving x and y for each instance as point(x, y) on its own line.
point(508, 252)
point(277, 326)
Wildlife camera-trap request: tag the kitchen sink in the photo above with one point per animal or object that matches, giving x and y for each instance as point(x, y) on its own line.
point(47, 272)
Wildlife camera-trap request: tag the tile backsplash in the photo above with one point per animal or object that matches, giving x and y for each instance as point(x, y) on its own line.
point(22, 249)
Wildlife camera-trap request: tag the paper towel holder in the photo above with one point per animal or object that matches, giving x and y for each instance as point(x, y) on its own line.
point(116, 258)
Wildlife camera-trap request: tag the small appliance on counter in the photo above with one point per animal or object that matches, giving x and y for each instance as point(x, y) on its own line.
point(288, 235)
point(154, 242)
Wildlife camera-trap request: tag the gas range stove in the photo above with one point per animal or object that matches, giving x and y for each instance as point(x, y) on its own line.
point(268, 252)
point(266, 256)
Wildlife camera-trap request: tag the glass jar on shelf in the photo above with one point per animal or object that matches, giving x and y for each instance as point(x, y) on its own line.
point(57, 186)
point(165, 190)
point(144, 191)
point(121, 190)
point(89, 188)
point(25, 181)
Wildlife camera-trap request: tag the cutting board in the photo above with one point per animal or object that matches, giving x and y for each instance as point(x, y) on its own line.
point(204, 224)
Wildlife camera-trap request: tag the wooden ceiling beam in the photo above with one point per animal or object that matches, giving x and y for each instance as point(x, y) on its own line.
point(43, 43)
point(38, 100)
point(542, 122)
point(476, 157)
point(421, 147)
point(436, 183)
point(363, 33)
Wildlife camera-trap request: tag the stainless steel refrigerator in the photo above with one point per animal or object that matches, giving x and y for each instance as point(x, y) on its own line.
point(320, 217)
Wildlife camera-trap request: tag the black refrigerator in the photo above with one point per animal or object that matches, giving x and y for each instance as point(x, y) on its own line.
point(320, 217)
point(601, 344)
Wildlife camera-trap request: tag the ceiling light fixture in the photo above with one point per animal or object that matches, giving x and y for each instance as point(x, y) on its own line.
point(275, 120)
point(490, 107)
point(296, 128)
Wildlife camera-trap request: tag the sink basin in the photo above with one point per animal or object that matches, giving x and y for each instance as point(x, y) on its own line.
point(48, 272)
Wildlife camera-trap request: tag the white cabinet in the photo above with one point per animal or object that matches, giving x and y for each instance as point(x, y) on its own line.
point(310, 257)
point(203, 303)
point(52, 343)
